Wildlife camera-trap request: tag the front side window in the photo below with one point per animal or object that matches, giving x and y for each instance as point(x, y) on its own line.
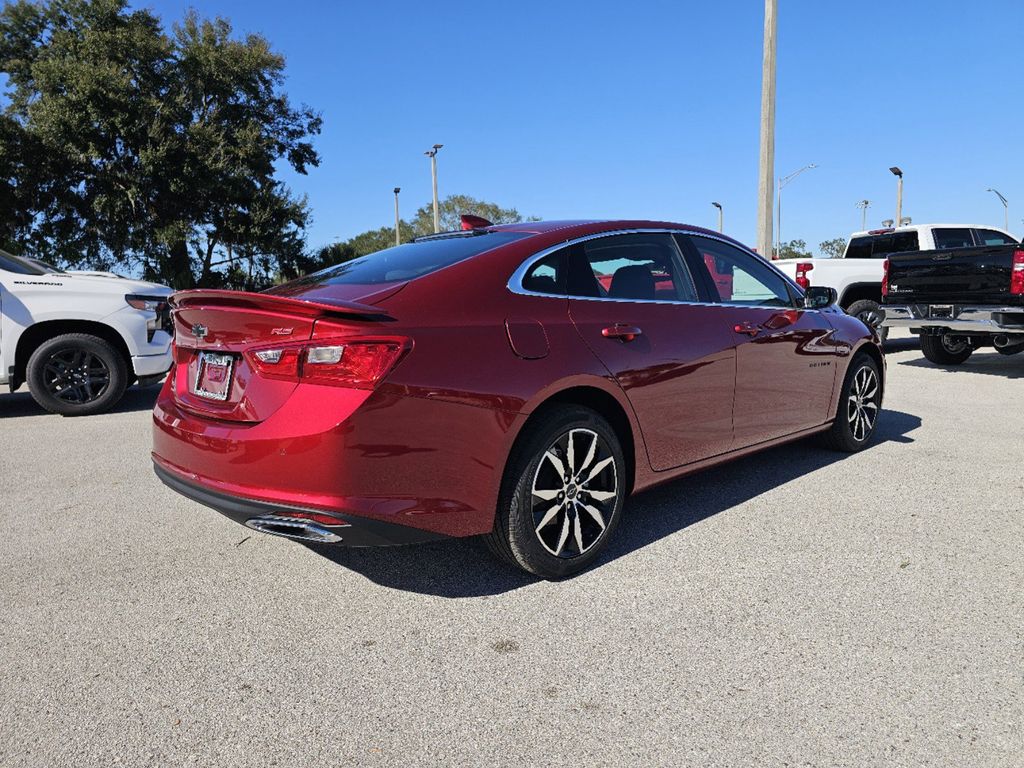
point(638, 267)
point(991, 237)
point(953, 238)
point(740, 278)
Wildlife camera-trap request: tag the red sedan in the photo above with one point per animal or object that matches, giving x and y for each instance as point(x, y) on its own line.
point(514, 381)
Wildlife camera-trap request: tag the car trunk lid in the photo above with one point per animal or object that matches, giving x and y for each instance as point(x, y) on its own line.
point(214, 328)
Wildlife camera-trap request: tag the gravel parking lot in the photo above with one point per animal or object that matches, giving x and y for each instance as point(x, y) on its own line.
point(795, 608)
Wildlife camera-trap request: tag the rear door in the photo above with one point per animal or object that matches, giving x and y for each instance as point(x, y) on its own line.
point(634, 302)
point(785, 354)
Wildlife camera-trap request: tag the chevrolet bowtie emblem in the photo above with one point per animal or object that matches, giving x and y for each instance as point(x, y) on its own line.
point(200, 331)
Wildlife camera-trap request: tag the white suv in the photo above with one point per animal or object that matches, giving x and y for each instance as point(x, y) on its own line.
point(79, 340)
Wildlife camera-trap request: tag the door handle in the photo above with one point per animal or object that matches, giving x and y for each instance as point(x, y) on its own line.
point(621, 331)
point(746, 327)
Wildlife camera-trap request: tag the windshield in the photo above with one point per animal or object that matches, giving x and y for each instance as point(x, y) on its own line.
point(19, 266)
point(403, 262)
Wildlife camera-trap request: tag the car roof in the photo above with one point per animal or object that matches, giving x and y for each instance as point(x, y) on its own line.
point(573, 228)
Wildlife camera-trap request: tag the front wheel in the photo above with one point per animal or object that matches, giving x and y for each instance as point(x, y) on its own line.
point(76, 374)
point(946, 349)
point(859, 406)
point(562, 494)
point(871, 313)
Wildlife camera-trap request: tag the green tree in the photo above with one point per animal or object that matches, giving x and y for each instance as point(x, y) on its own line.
point(794, 249)
point(452, 207)
point(834, 248)
point(155, 150)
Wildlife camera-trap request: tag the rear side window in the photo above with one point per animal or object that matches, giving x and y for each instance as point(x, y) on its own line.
point(991, 237)
point(409, 261)
point(953, 238)
point(638, 267)
point(548, 275)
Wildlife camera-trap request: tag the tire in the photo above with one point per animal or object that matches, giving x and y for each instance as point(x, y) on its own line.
point(557, 535)
point(77, 374)
point(860, 405)
point(871, 313)
point(941, 350)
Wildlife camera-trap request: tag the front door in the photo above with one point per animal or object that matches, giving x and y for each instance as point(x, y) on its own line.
point(632, 300)
point(785, 354)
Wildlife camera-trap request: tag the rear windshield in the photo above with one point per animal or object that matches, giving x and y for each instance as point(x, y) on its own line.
point(880, 246)
point(409, 261)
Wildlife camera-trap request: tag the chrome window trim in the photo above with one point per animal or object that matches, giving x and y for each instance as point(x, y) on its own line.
point(515, 282)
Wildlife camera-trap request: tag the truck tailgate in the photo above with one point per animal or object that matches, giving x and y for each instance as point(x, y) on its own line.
point(955, 275)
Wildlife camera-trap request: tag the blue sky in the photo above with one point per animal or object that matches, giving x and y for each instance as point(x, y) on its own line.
point(650, 109)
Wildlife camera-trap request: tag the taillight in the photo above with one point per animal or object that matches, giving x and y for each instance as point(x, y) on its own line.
point(885, 277)
point(359, 363)
point(1017, 273)
point(802, 279)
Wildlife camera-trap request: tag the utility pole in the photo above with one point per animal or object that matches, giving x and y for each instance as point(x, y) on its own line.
point(864, 205)
point(899, 194)
point(766, 173)
point(719, 207)
point(1006, 208)
point(432, 154)
point(398, 233)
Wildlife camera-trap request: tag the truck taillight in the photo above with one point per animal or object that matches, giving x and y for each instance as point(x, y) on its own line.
point(885, 277)
point(1017, 273)
point(802, 279)
point(359, 363)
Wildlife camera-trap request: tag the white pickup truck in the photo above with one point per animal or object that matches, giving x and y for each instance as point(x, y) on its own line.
point(857, 276)
point(78, 339)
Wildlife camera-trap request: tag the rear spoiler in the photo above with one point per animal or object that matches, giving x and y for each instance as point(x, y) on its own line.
point(208, 298)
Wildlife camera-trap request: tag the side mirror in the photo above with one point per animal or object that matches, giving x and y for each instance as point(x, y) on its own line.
point(819, 297)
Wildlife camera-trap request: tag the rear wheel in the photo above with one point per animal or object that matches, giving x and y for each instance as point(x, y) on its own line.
point(76, 374)
point(871, 314)
point(946, 349)
point(859, 406)
point(562, 494)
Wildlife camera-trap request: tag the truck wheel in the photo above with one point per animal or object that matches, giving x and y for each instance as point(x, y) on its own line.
point(945, 349)
point(77, 375)
point(871, 314)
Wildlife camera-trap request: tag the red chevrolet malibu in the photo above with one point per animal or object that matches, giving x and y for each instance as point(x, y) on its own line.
point(514, 381)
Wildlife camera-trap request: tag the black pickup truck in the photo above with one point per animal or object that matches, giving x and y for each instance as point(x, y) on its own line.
point(958, 299)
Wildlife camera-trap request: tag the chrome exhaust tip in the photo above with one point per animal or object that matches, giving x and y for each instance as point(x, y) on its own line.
point(293, 528)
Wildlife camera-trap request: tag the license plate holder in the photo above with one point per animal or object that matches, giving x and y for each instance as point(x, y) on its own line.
point(941, 311)
point(213, 376)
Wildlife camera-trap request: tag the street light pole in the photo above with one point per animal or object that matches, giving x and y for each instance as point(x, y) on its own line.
point(398, 233)
point(719, 207)
point(766, 170)
point(432, 154)
point(1006, 208)
point(783, 181)
point(899, 193)
point(864, 205)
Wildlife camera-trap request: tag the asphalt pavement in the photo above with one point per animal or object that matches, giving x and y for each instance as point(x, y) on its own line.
point(799, 608)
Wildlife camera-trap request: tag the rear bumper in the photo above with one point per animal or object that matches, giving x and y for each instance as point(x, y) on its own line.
point(961, 318)
point(351, 531)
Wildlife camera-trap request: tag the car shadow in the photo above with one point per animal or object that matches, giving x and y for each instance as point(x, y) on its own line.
point(985, 363)
point(20, 403)
point(457, 568)
point(900, 345)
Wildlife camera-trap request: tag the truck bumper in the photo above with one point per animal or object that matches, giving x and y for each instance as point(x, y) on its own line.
point(152, 365)
point(957, 318)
